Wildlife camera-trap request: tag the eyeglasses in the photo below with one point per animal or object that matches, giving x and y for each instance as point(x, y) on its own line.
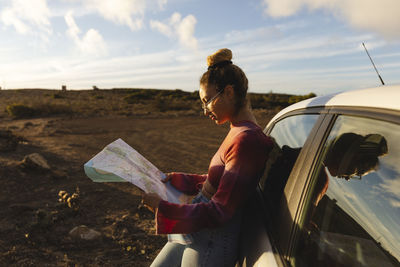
point(205, 105)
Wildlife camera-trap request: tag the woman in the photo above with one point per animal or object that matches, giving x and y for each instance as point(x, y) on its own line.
point(213, 219)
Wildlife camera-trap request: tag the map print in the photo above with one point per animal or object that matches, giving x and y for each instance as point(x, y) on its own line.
point(118, 162)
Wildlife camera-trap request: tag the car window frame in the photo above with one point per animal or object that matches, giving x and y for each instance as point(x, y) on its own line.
point(280, 250)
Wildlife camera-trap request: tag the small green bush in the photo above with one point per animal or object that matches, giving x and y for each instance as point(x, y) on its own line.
point(297, 98)
point(20, 111)
point(139, 95)
point(163, 104)
point(192, 96)
point(43, 109)
point(57, 96)
point(272, 100)
point(48, 109)
point(160, 103)
point(258, 101)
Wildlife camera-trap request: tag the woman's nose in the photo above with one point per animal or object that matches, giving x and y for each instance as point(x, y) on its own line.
point(206, 112)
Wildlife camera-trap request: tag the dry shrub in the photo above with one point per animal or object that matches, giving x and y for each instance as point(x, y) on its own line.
point(297, 98)
point(57, 96)
point(169, 104)
point(139, 96)
point(17, 110)
point(272, 101)
point(20, 111)
point(48, 109)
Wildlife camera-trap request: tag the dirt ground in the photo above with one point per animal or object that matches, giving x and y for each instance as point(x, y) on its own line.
point(35, 225)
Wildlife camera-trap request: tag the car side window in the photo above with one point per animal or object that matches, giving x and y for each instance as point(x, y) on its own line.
point(352, 212)
point(289, 135)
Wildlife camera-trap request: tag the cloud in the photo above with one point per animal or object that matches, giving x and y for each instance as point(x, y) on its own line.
point(162, 28)
point(120, 11)
point(280, 57)
point(129, 13)
point(182, 29)
point(9, 18)
point(378, 16)
point(145, 70)
point(23, 15)
point(92, 43)
point(377, 220)
point(392, 186)
point(162, 4)
point(73, 29)
point(395, 203)
point(185, 30)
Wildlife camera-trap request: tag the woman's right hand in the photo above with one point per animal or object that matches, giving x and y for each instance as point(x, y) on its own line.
point(168, 177)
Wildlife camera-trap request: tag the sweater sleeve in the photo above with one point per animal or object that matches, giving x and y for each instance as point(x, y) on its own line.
point(244, 163)
point(187, 183)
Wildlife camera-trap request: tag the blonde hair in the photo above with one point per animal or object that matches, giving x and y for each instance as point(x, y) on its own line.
point(221, 72)
point(221, 55)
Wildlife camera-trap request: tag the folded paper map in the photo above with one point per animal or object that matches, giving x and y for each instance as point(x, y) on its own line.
point(118, 162)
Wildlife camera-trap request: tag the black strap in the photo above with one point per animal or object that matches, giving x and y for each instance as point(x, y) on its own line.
point(220, 64)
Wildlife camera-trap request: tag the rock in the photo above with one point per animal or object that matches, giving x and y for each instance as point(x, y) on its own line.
point(59, 175)
point(28, 124)
point(35, 161)
point(76, 145)
point(6, 226)
point(43, 219)
point(83, 232)
point(8, 141)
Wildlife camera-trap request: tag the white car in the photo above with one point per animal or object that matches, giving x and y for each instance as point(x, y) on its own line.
point(330, 195)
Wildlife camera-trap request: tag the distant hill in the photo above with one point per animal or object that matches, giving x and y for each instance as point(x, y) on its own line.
point(20, 103)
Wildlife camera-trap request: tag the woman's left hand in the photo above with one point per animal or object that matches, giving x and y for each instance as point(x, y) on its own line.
point(151, 201)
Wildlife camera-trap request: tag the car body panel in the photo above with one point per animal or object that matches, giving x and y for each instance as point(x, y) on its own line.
point(383, 97)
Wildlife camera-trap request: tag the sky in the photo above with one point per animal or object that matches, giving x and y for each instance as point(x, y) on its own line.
point(283, 46)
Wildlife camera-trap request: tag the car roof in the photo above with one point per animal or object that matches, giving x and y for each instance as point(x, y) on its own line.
point(384, 97)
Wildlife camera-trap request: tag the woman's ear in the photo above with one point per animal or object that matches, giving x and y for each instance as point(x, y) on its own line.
point(229, 91)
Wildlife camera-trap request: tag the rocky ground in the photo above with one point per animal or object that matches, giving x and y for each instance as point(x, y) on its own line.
point(55, 216)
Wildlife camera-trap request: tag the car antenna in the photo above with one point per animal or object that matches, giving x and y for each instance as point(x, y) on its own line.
point(380, 78)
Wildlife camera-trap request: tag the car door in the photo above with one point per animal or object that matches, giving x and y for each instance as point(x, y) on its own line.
point(341, 203)
point(291, 133)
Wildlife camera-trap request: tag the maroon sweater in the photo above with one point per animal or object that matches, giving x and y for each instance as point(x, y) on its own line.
point(234, 170)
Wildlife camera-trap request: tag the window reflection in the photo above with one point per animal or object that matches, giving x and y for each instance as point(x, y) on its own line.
point(353, 216)
point(293, 131)
point(290, 135)
point(351, 155)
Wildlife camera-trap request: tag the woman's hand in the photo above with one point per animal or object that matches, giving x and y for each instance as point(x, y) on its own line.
point(151, 201)
point(168, 177)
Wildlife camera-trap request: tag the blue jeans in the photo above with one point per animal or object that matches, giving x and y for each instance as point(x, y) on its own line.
point(210, 247)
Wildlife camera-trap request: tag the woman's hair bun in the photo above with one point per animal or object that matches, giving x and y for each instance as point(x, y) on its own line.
point(221, 55)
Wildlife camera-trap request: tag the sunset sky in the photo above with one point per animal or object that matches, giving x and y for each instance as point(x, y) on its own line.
point(286, 46)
